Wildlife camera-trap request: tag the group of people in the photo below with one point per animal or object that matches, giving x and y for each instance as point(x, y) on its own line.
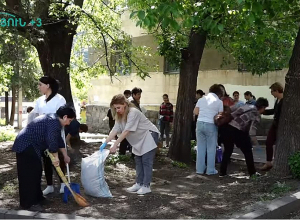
point(238, 128)
point(51, 125)
point(52, 130)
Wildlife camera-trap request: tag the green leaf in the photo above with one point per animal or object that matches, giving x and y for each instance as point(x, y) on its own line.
point(174, 24)
point(221, 27)
point(240, 1)
point(141, 15)
point(133, 14)
point(165, 23)
point(147, 21)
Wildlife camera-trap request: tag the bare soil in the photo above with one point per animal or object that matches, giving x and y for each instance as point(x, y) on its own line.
point(176, 192)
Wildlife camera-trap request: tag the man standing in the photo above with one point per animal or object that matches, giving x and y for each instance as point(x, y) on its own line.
point(236, 99)
point(250, 98)
point(277, 92)
point(166, 119)
point(136, 97)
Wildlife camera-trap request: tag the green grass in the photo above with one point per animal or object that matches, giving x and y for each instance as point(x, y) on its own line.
point(114, 159)
point(179, 164)
point(277, 190)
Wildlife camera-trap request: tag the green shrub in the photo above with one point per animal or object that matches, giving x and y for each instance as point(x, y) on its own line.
point(294, 163)
point(7, 133)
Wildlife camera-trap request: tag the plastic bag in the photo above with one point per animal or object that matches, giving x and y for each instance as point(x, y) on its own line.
point(92, 174)
point(219, 154)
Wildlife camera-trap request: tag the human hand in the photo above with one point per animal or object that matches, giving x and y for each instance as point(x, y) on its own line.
point(113, 149)
point(55, 162)
point(67, 159)
point(102, 146)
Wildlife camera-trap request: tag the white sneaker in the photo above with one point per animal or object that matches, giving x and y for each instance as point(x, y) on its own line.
point(144, 190)
point(49, 189)
point(134, 188)
point(62, 188)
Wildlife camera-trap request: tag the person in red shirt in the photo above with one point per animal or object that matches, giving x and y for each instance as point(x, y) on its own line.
point(166, 118)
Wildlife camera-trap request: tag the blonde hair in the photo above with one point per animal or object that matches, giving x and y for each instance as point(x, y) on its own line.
point(120, 99)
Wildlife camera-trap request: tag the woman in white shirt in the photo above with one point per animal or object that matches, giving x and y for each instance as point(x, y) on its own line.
point(141, 134)
point(49, 102)
point(207, 132)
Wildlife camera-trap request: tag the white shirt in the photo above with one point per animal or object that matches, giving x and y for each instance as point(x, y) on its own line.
point(43, 107)
point(209, 106)
point(140, 128)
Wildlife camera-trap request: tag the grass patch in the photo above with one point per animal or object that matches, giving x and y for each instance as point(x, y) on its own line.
point(7, 133)
point(179, 164)
point(277, 190)
point(114, 159)
point(10, 188)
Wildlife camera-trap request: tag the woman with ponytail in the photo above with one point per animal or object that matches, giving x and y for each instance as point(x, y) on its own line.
point(48, 103)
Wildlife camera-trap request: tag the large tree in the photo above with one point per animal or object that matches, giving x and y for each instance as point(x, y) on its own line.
point(184, 27)
point(96, 25)
point(288, 139)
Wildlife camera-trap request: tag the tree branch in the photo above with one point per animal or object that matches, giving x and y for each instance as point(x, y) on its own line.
point(41, 8)
point(104, 3)
point(117, 44)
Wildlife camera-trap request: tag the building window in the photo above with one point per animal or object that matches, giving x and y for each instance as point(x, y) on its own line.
point(170, 68)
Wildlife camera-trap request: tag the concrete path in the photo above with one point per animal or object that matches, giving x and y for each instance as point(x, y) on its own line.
point(259, 154)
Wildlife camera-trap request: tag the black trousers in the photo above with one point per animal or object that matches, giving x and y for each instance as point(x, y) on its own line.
point(232, 136)
point(29, 167)
point(48, 168)
point(124, 146)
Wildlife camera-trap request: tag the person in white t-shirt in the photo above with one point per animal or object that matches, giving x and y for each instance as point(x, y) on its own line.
point(207, 132)
point(49, 102)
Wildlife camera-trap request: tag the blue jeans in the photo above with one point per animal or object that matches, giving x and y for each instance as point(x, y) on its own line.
point(207, 137)
point(144, 165)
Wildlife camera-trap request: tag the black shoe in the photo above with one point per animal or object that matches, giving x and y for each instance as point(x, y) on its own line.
point(36, 208)
point(222, 174)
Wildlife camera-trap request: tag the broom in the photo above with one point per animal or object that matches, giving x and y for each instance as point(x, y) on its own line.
point(78, 198)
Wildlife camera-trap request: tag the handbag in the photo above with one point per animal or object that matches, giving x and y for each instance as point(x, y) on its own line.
point(222, 118)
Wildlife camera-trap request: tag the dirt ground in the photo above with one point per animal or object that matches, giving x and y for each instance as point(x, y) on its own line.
point(176, 192)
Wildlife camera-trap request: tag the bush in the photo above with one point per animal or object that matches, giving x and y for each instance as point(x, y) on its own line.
point(7, 133)
point(294, 163)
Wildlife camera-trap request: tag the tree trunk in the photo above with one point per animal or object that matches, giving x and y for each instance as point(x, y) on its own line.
point(6, 109)
point(13, 105)
point(54, 54)
point(288, 141)
point(180, 148)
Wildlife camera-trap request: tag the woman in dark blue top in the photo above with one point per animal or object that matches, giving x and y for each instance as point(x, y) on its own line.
point(42, 133)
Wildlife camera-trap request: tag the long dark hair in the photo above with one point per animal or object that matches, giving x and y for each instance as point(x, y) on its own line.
point(53, 84)
point(225, 95)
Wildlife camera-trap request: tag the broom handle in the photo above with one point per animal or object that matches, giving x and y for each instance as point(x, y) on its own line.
point(63, 136)
point(60, 173)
